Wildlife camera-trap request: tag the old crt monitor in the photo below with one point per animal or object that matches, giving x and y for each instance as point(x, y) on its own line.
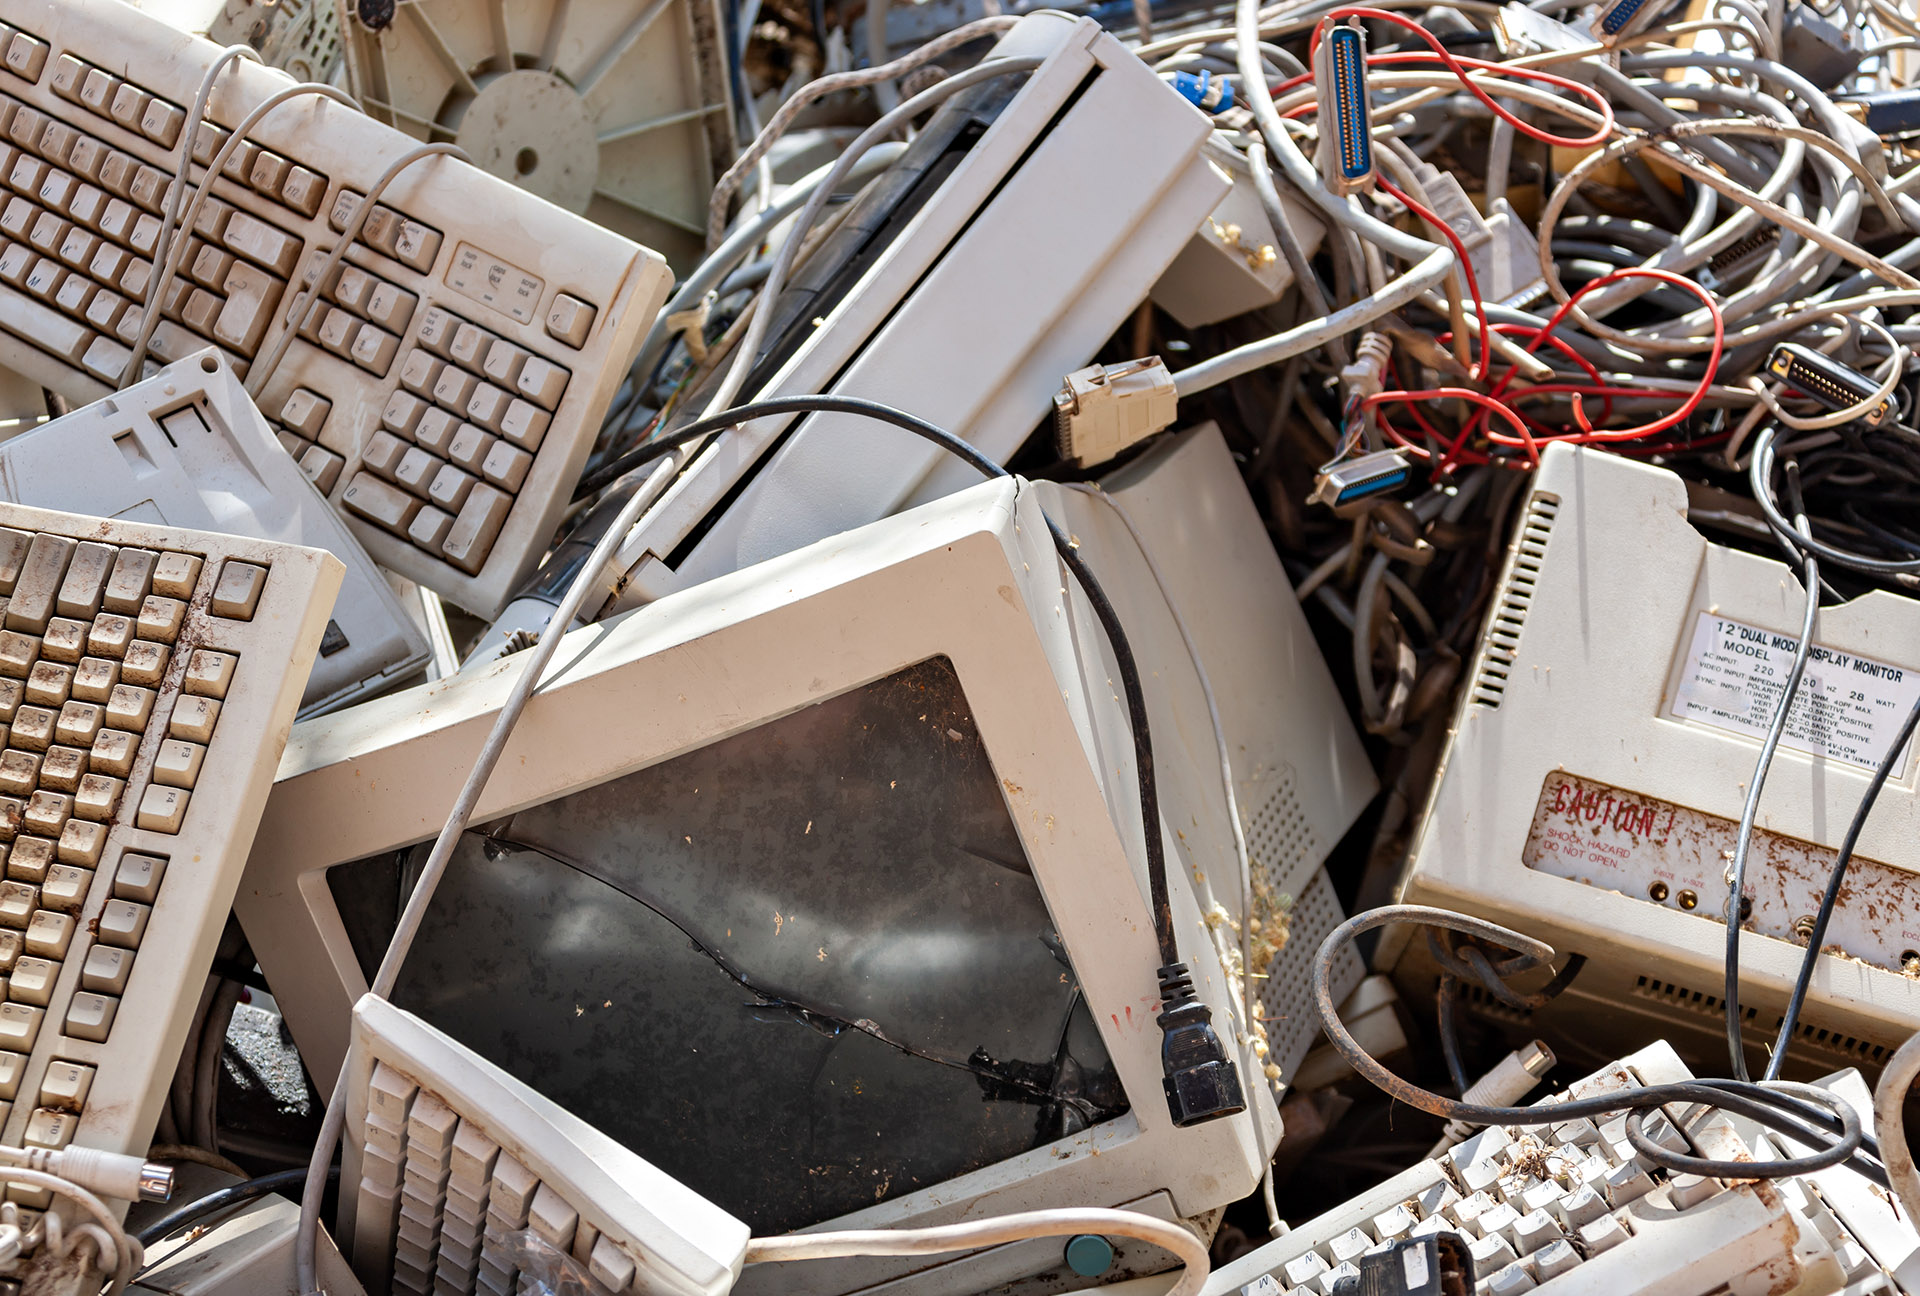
point(819, 886)
point(1592, 786)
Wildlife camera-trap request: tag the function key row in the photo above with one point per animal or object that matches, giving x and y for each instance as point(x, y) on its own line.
point(113, 99)
point(265, 172)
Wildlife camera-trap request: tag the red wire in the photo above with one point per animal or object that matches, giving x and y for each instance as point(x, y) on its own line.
point(1459, 68)
point(1466, 269)
point(1692, 402)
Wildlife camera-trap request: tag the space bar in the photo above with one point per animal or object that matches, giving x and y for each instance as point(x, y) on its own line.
point(42, 326)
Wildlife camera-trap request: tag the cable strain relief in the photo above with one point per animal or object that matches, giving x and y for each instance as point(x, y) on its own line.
point(1176, 987)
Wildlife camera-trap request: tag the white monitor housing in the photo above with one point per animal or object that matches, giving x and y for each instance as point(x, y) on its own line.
point(915, 695)
point(1592, 787)
point(997, 256)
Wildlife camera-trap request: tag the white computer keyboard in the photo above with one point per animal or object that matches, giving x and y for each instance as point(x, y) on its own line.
point(186, 448)
point(445, 392)
point(458, 1178)
point(1572, 1209)
point(148, 678)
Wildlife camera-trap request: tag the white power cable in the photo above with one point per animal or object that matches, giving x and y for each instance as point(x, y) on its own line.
point(993, 1232)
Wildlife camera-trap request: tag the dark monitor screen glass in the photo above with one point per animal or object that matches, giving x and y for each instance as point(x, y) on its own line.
point(803, 970)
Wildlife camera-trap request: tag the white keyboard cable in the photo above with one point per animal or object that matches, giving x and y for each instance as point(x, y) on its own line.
point(1063, 1222)
point(164, 274)
point(183, 171)
point(296, 308)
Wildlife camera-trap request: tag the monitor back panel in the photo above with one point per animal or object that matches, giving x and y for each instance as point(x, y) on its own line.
point(1593, 785)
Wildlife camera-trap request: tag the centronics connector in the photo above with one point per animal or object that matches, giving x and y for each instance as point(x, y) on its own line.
point(1352, 485)
point(1346, 125)
point(1621, 18)
point(1826, 382)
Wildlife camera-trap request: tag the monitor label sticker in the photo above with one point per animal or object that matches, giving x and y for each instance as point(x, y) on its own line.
point(1848, 708)
point(1666, 854)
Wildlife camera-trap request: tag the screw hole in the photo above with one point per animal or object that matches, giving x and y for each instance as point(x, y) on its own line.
point(1657, 892)
point(525, 161)
point(210, 364)
point(1909, 956)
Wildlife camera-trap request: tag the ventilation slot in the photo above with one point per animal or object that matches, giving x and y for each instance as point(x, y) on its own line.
point(1279, 837)
point(1835, 1042)
point(1510, 614)
point(1284, 995)
point(1694, 1001)
point(1477, 1000)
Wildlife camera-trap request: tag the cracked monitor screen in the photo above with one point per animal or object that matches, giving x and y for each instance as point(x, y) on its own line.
point(804, 969)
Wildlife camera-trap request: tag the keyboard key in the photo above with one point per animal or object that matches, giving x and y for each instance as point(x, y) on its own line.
point(429, 528)
point(19, 1027)
point(570, 320)
point(64, 890)
point(94, 677)
point(64, 641)
point(113, 753)
point(138, 878)
point(144, 664)
point(303, 190)
point(160, 618)
point(477, 526)
point(49, 934)
point(26, 56)
point(132, 578)
point(44, 327)
point(83, 841)
point(177, 764)
point(49, 683)
point(194, 718)
point(209, 673)
point(110, 635)
point(29, 861)
point(237, 592)
point(79, 722)
point(379, 502)
point(247, 312)
point(262, 244)
point(162, 809)
point(506, 466)
point(66, 1085)
point(542, 382)
point(89, 1017)
point(306, 412)
point(97, 797)
point(86, 580)
point(32, 728)
point(175, 575)
point(106, 970)
point(123, 923)
point(13, 1069)
point(321, 466)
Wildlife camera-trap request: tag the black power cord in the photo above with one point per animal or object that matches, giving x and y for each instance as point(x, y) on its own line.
point(220, 1199)
point(1202, 1082)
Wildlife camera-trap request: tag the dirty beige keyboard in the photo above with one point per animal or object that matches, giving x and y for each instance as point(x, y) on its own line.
point(1574, 1209)
point(459, 1180)
point(445, 389)
point(148, 678)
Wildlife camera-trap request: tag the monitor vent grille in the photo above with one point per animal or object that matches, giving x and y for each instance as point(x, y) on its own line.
point(1286, 993)
point(1279, 835)
point(1516, 596)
